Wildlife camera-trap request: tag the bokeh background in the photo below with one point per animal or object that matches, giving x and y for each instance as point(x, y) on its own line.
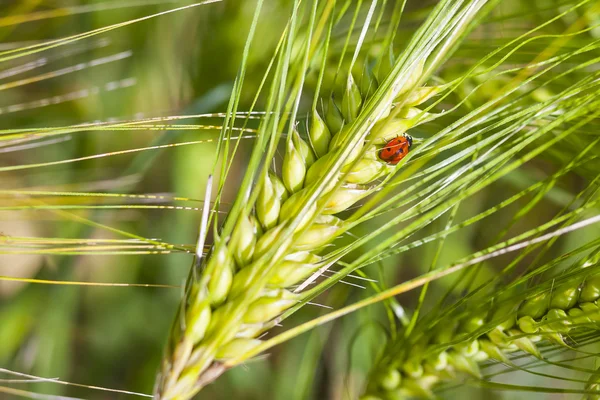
point(183, 63)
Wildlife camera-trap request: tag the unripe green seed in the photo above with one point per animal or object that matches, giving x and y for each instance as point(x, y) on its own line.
point(324, 229)
point(196, 359)
point(389, 128)
point(498, 337)
point(354, 154)
point(181, 354)
point(317, 170)
point(419, 95)
point(265, 242)
point(492, 350)
point(371, 153)
point(236, 347)
point(304, 148)
point(534, 307)
point(338, 141)
point(552, 336)
point(390, 379)
point(267, 308)
point(185, 380)
point(280, 190)
point(525, 343)
point(565, 296)
point(319, 135)
point(243, 279)
point(295, 205)
point(352, 100)
point(469, 349)
point(339, 138)
point(578, 317)
point(219, 285)
point(557, 321)
point(343, 198)
point(198, 294)
point(316, 236)
point(528, 324)
point(464, 364)
point(268, 205)
point(219, 315)
point(293, 169)
point(365, 171)
point(221, 269)
point(333, 117)
point(502, 340)
point(294, 268)
point(411, 113)
point(591, 289)
point(250, 331)
point(591, 310)
point(243, 240)
point(197, 322)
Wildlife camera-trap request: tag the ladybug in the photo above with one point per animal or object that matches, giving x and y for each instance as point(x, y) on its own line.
point(396, 149)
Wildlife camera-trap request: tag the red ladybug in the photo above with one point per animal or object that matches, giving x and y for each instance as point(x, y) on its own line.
point(396, 149)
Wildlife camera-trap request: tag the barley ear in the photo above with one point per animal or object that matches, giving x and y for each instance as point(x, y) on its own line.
point(550, 315)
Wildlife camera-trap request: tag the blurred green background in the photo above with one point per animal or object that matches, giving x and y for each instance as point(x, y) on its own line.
point(175, 64)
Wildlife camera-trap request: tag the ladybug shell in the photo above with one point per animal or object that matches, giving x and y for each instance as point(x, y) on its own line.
point(396, 149)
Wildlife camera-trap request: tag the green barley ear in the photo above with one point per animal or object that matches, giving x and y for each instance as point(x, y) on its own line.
point(477, 340)
point(554, 313)
point(274, 243)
